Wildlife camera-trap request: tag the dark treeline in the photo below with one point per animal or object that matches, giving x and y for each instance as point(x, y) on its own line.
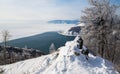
point(14, 54)
point(102, 31)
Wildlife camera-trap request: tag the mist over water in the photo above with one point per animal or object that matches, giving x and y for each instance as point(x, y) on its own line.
point(19, 29)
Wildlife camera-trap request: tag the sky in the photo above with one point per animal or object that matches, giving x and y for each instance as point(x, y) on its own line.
point(41, 9)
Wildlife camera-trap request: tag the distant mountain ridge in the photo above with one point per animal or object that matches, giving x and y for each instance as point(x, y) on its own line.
point(64, 21)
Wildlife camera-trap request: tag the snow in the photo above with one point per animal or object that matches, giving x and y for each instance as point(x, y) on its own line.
point(81, 24)
point(63, 61)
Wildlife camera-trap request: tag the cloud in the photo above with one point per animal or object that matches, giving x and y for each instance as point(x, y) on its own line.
point(41, 9)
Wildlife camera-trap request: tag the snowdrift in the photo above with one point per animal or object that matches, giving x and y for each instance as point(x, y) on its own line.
point(63, 61)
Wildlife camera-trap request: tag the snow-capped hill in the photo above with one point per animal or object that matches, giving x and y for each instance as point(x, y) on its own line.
point(63, 61)
point(73, 31)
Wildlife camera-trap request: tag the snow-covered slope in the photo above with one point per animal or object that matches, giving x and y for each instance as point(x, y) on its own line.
point(63, 61)
point(74, 30)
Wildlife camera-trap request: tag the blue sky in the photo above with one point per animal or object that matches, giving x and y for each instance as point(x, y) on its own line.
point(42, 9)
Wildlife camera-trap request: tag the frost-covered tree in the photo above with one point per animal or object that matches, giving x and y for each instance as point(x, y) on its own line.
point(100, 18)
point(52, 48)
point(5, 38)
point(102, 30)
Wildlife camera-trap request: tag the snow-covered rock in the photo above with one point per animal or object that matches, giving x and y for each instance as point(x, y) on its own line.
point(63, 61)
point(73, 31)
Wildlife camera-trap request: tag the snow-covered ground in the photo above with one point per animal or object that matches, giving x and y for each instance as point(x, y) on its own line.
point(63, 61)
point(21, 29)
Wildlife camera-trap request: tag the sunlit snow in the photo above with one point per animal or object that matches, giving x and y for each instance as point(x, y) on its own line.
point(63, 61)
